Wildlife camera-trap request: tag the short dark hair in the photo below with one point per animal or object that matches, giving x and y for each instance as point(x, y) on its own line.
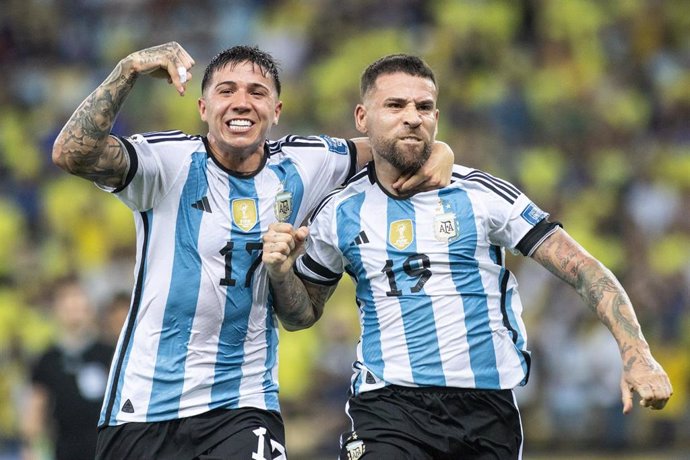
point(405, 63)
point(239, 54)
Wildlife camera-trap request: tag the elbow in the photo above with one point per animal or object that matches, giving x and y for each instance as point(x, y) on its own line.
point(294, 327)
point(58, 155)
point(297, 324)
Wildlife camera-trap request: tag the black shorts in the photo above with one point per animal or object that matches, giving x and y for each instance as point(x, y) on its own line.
point(398, 423)
point(218, 434)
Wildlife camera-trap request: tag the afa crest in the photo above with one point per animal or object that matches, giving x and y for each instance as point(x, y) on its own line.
point(401, 233)
point(445, 226)
point(355, 449)
point(244, 213)
point(283, 206)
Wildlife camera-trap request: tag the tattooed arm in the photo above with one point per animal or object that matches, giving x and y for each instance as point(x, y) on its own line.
point(84, 146)
point(298, 303)
point(605, 296)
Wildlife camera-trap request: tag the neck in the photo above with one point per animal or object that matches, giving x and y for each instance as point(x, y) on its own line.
point(243, 162)
point(386, 175)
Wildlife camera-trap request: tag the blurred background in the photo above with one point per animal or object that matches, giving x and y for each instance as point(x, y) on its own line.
point(583, 104)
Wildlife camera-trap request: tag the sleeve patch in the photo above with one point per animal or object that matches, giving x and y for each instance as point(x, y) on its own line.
point(338, 146)
point(532, 214)
point(136, 139)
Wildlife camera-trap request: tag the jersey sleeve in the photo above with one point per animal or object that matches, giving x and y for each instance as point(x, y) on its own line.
point(152, 172)
point(512, 216)
point(322, 262)
point(326, 162)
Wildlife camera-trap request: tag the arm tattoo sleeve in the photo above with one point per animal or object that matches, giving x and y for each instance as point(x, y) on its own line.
point(299, 304)
point(83, 143)
point(597, 286)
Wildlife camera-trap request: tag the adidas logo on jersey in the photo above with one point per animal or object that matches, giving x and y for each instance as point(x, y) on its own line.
point(361, 239)
point(128, 407)
point(202, 205)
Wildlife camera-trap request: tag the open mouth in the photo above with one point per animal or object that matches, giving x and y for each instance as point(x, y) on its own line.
point(239, 125)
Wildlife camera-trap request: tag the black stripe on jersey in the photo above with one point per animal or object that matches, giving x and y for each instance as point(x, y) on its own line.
point(333, 192)
point(363, 172)
point(504, 312)
point(502, 188)
point(499, 255)
point(506, 321)
point(294, 141)
point(352, 148)
point(167, 136)
point(311, 265)
point(134, 310)
point(133, 164)
point(323, 203)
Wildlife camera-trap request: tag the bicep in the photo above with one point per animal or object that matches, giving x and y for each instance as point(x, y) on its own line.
point(564, 257)
point(106, 166)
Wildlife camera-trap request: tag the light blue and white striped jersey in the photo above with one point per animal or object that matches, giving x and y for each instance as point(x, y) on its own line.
point(437, 306)
point(201, 333)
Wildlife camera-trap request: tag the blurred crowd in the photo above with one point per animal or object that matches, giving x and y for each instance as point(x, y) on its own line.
point(583, 104)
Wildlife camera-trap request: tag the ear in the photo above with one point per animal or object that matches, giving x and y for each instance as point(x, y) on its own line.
point(201, 104)
point(277, 110)
point(436, 128)
point(361, 118)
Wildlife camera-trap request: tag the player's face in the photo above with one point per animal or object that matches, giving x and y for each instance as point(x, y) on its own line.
point(240, 106)
point(399, 115)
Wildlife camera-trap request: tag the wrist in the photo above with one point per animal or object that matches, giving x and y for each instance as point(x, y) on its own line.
point(127, 69)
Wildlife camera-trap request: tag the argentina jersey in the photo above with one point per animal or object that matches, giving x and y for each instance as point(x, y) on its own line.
point(201, 333)
point(437, 306)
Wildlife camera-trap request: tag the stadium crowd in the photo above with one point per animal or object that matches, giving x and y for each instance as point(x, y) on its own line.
point(585, 105)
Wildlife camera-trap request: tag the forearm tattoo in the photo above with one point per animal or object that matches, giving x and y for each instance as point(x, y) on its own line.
point(298, 306)
point(597, 286)
point(83, 142)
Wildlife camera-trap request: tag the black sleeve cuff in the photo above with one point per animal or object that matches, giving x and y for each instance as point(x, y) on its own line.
point(534, 237)
point(353, 159)
point(133, 163)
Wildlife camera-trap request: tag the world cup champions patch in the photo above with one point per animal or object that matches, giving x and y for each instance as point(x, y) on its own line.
point(445, 227)
point(532, 214)
point(283, 206)
point(244, 213)
point(401, 233)
point(338, 146)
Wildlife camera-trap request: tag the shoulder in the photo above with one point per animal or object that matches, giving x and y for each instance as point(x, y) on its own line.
point(354, 188)
point(170, 141)
point(477, 179)
point(294, 144)
point(158, 137)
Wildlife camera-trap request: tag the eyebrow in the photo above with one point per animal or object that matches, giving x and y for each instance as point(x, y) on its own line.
point(251, 85)
point(404, 100)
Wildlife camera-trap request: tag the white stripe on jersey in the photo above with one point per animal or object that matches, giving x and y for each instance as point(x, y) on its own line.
point(202, 333)
point(433, 312)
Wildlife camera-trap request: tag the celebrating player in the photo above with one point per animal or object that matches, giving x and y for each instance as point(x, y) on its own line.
point(442, 341)
point(195, 372)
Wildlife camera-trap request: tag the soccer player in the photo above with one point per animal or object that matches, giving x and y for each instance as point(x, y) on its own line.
point(195, 371)
point(442, 342)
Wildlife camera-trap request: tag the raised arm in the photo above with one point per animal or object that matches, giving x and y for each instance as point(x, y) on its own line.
point(435, 173)
point(84, 146)
point(297, 303)
point(603, 293)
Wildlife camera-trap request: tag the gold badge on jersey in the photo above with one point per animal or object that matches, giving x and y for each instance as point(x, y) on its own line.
point(283, 206)
point(244, 213)
point(401, 233)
